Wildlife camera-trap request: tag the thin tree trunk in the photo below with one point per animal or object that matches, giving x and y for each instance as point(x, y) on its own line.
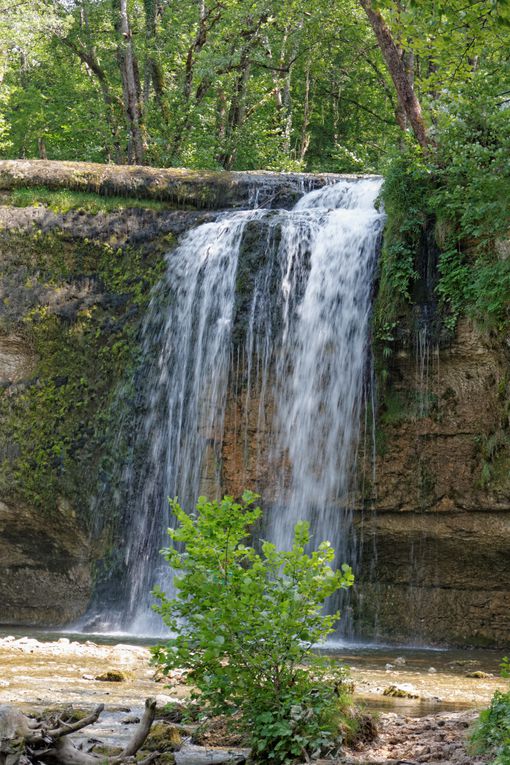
point(236, 114)
point(153, 72)
point(130, 82)
point(208, 18)
point(400, 74)
point(305, 135)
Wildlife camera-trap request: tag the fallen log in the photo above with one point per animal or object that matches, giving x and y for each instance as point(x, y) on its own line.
point(24, 741)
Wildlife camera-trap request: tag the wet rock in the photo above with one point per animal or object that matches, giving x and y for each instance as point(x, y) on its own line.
point(67, 714)
point(130, 720)
point(434, 493)
point(177, 186)
point(163, 737)
point(112, 676)
point(200, 755)
point(479, 675)
point(401, 692)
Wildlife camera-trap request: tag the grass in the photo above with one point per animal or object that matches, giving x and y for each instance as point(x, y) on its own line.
point(63, 201)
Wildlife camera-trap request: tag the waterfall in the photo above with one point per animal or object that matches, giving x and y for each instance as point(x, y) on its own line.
point(323, 356)
point(286, 324)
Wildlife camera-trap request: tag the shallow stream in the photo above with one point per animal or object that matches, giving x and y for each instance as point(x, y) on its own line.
point(40, 669)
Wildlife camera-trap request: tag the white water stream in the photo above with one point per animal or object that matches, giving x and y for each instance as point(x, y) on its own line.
point(305, 349)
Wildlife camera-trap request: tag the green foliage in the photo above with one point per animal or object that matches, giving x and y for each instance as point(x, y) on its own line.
point(472, 203)
point(247, 85)
point(63, 201)
point(464, 186)
point(492, 732)
point(58, 421)
point(245, 623)
point(404, 195)
point(504, 667)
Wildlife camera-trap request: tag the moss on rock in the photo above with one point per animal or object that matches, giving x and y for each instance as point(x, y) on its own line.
point(77, 305)
point(163, 737)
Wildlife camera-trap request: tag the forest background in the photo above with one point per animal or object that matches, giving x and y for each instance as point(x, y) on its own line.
point(418, 90)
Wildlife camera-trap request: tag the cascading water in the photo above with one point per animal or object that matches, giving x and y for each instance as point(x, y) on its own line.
point(302, 356)
point(323, 355)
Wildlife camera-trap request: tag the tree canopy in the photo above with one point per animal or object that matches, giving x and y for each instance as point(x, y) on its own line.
point(277, 84)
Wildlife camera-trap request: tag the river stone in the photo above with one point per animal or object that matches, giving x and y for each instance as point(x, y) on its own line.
point(163, 737)
point(201, 755)
point(401, 692)
point(112, 676)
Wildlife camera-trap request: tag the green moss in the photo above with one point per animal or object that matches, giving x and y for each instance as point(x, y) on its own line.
point(163, 738)
point(495, 453)
point(78, 306)
point(406, 405)
point(112, 676)
point(64, 200)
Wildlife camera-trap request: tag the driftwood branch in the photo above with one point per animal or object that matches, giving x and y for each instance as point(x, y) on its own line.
point(140, 733)
point(23, 742)
point(65, 728)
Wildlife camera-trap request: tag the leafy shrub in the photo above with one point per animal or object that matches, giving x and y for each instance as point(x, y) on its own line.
point(404, 195)
point(463, 184)
point(492, 733)
point(245, 623)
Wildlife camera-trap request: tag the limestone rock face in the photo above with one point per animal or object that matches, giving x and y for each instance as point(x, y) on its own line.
point(67, 310)
point(16, 359)
point(45, 575)
point(435, 559)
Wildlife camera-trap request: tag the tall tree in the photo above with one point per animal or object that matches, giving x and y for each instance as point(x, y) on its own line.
point(400, 67)
point(131, 89)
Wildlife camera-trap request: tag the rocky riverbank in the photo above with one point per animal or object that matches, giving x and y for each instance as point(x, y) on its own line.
point(427, 722)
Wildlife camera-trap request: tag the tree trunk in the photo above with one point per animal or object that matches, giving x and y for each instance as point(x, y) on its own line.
point(208, 18)
point(400, 73)
point(130, 82)
point(305, 134)
point(153, 73)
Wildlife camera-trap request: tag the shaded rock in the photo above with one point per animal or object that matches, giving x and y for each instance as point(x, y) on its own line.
point(45, 576)
point(130, 720)
point(479, 675)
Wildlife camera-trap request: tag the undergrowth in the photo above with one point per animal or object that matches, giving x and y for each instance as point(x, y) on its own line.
point(461, 187)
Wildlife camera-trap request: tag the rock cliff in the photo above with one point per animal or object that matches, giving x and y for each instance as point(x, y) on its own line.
point(432, 519)
point(435, 525)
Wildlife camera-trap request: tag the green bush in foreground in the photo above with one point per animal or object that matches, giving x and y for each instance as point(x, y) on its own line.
point(492, 732)
point(245, 623)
